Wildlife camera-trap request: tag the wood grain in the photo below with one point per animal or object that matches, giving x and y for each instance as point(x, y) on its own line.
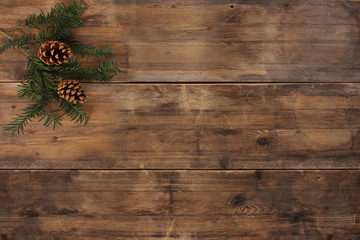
point(256, 126)
point(179, 205)
point(214, 41)
point(274, 90)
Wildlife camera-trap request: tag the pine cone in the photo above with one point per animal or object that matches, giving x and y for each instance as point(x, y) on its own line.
point(54, 53)
point(72, 91)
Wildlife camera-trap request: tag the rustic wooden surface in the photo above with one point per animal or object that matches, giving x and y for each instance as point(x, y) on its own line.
point(215, 40)
point(195, 127)
point(180, 204)
point(232, 120)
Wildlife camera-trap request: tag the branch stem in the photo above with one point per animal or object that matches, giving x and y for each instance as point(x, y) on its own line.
point(11, 39)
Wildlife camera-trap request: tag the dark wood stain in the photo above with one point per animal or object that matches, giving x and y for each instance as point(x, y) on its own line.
point(67, 211)
point(29, 213)
point(224, 163)
point(329, 237)
point(237, 201)
point(262, 141)
point(298, 217)
point(258, 175)
point(226, 132)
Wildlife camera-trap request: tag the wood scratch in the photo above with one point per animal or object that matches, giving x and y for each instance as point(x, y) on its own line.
point(197, 120)
point(354, 219)
point(228, 121)
point(143, 167)
point(61, 223)
point(170, 228)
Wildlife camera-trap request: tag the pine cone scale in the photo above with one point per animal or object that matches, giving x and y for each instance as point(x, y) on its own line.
point(54, 53)
point(71, 91)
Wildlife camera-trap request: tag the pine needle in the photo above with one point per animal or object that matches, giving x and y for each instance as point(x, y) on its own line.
point(40, 79)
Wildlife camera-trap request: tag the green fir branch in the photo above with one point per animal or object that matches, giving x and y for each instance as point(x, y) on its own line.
point(22, 43)
point(74, 112)
point(28, 90)
point(33, 111)
point(103, 73)
point(25, 40)
point(41, 79)
point(18, 124)
point(106, 71)
point(59, 15)
point(84, 50)
point(70, 70)
point(9, 44)
point(91, 52)
point(40, 82)
point(50, 119)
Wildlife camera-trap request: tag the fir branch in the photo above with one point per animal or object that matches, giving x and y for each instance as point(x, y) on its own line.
point(9, 44)
point(103, 73)
point(40, 82)
point(71, 66)
point(84, 50)
point(58, 30)
point(74, 112)
point(20, 43)
point(70, 70)
point(28, 90)
point(50, 118)
point(106, 71)
point(41, 79)
point(41, 88)
point(18, 124)
point(25, 40)
point(61, 14)
point(91, 52)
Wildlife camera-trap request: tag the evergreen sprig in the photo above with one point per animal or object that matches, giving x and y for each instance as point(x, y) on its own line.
point(60, 15)
point(41, 80)
point(84, 50)
point(7, 46)
point(18, 124)
point(75, 112)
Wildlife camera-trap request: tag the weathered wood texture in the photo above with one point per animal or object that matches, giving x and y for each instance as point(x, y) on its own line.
point(179, 205)
point(217, 41)
point(162, 161)
point(149, 126)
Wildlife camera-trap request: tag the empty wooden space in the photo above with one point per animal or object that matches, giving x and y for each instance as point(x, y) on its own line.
point(231, 120)
point(180, 204)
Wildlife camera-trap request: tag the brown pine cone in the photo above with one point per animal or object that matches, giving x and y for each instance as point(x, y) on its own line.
point(54, 53)
point(72, 91)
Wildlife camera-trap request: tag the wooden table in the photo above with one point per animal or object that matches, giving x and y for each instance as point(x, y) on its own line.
point(231, 120)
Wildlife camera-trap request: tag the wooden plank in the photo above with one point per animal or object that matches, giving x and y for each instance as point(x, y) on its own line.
point(217, 41)
point(149, 126)
point(179, 205)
